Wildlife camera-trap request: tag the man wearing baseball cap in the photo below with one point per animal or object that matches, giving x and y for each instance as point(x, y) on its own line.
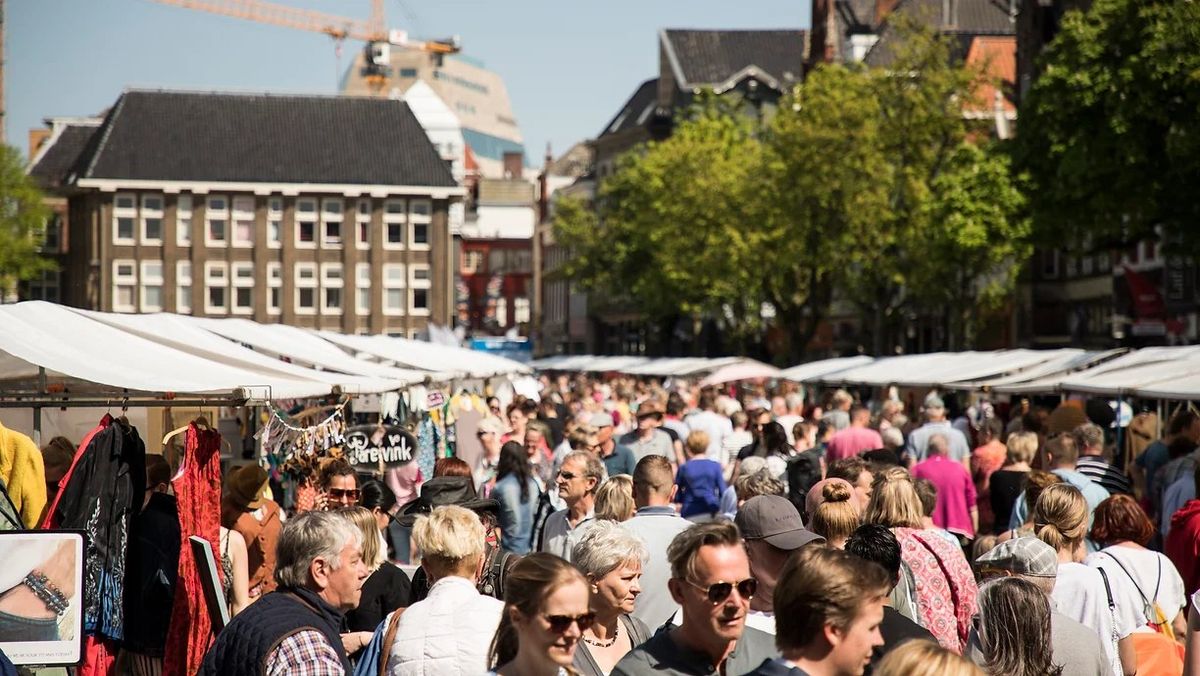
point(1076, 647)
point(617, 459)
point(772, 530)
point(936, 423)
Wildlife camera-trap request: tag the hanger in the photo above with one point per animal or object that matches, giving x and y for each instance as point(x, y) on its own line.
point(200, 422)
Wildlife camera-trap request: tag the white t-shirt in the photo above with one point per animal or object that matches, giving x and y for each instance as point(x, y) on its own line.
point(1080, 594)
point(1151, 572)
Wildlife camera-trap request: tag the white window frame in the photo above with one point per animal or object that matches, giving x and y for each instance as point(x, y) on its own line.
point(330, 282)
point(183, 220)
point(275, 223)
point(400, 219)
point(131, 213)
point(415, 284)
point(145, 280)
point(211, 214)
point(222, 282)
point(274, 281)
point(124, 280)
point(328, 217)
point(147, 212)
point(394, 279)
point(313, 217)
point(362, 289)
point(522, 310)
point(237, 282)
point(415, 219)
point(183, 287)
point(306, 283)
point(361, 219)
point(238, 212)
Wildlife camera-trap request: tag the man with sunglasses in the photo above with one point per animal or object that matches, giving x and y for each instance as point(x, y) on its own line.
point(577, 481)
point(339, 485)
point(711, 581)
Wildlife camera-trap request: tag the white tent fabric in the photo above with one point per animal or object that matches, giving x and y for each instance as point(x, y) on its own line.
point(184, 333)
point(427, 356)
point(680, 366)
point(939, 368)
point(1185, 388)
point(816, 369)
point(1042, 378)
point(72, 347)
point(1135, 371)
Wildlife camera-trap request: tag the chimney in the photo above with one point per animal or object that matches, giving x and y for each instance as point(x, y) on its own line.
point(514, 164)
point(36, 138)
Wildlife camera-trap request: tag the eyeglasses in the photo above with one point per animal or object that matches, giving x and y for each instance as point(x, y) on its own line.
point(341, 493)
point(567, 475)
point(561, 623)
point(717, 592)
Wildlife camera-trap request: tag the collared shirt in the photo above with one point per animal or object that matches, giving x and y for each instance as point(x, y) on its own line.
point(559, 536)
point(662, 655)
point(305, 653)
point(918, 441)
point(656, 526)
point(659, 443)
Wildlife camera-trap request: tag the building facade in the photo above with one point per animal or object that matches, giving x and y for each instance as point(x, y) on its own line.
point(320, 212)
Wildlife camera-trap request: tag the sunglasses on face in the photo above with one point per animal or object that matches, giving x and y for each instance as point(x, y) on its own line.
point(717, 592)
point(561, 623)
point(568, 475)
point(343, 493)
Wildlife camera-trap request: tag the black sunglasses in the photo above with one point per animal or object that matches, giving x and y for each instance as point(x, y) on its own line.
point(339, 493)
point(561, 623)
point(566, 475)
point(717, 592)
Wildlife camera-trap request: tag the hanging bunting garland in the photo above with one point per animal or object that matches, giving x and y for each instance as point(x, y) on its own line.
point(297, 450)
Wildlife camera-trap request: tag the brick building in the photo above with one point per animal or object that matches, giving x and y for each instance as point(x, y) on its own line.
point(324, 212)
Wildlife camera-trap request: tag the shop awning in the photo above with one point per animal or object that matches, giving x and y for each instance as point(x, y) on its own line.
point(815, 369)
point(940, 368)
point(428, 356)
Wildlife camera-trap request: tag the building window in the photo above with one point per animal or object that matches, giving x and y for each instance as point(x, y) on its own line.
point(419, 282)
point(274, 288)
point(306, 288)
point(124, 218)
point(183, 220)
point(331, 288)
point(362, 220)
point(274, 222)
point(521, 311)
point(216, 288)
point(124, 296)
point(152, 220)
point(183, 287)
point(331, 223)
point(502, 311)
point(243, 288)
point(393, 289)
point(152, 286)
point(362, 288)
point(419, 218)
point(1050, 264)
point(243, 221)
point(52, 239)
point(216, 217)
point(471, 261)
point(47, 287)
point(306, 223)
point(394, 217)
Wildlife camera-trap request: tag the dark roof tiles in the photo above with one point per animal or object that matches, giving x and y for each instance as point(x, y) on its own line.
point(710, 57)
point(60, 157)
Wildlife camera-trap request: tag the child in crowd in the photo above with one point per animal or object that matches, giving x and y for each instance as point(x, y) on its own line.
point(700, 481)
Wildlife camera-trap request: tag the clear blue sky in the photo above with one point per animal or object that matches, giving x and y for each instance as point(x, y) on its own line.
point(568, 64)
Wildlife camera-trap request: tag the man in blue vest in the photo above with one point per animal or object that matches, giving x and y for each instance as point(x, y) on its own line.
point(295, 629)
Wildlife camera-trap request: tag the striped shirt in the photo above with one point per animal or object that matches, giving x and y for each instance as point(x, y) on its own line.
point(1098, 470)
point(305, 653)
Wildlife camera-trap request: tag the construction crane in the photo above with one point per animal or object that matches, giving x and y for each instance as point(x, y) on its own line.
point(379, 40)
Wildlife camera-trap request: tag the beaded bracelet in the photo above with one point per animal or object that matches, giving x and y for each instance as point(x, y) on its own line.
point(45, 590)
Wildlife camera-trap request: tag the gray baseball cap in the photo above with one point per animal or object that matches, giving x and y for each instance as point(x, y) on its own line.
point(1022, 556)
point(600, 420)
point(776, 520)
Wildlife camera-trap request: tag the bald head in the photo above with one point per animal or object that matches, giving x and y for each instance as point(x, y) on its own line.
point(653, 484)
point(939, 445)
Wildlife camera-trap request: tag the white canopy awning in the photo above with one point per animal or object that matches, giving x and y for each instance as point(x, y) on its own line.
point(73, 348)
point(940, 368)
point(446, 359)
point(815, 369)
point(1135, 371)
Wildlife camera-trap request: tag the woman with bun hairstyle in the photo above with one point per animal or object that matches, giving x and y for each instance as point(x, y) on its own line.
point(1082, 592)
point(833, 511)
point(545, 614)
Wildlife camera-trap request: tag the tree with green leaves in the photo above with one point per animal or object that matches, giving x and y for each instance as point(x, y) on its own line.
point(1109, 133)
point(22, 224)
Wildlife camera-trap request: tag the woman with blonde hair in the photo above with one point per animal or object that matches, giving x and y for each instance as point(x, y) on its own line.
point(384, 590)
point(1083, 593)
point(925, 658)
point(545, 614)
point(1005, 484)
point(936, 573)
point(614, 499)
point(833, 511)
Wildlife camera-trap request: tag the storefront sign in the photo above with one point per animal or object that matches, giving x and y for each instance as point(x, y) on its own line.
point(368, 445)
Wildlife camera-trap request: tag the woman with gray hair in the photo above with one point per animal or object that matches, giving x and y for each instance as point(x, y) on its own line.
point(611, 559)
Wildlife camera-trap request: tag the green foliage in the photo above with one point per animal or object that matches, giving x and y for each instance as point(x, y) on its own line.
point(22, 224)
point(1109, 132)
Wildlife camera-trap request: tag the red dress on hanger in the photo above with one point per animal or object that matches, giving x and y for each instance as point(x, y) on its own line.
point(198, 493)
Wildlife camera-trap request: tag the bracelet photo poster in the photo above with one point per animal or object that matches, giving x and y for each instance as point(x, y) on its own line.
point(41, 597)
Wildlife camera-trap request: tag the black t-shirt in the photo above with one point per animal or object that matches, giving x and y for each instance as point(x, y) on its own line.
point(896, 629)
point(557, 433)
point(1005, 486)
point(387, 589)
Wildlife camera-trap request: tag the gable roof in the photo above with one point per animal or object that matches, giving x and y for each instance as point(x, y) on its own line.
point(967, 18)
point(60, 153)
point(637, 109)
point(263, 138)
point(711, 57)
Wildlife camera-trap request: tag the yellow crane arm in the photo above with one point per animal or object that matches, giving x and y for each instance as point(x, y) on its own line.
point(293, 17)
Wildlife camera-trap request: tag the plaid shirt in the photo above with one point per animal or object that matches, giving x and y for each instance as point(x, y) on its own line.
point(305, 653)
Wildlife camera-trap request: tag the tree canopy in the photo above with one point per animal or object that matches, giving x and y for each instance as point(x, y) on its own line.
point(22, 224)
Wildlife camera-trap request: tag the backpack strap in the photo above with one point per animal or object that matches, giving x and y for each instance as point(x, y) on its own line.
point(389, 637)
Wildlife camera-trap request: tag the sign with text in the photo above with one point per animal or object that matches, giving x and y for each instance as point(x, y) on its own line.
point(368, 445)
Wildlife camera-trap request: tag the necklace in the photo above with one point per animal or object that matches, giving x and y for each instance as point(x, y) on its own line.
point(601, 644)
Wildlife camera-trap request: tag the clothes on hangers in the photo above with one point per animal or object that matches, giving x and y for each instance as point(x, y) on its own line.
point(197, 489)
point(51, 519)
point(23, 473)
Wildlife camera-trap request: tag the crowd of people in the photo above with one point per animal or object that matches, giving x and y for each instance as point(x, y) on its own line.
point(620, 527)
